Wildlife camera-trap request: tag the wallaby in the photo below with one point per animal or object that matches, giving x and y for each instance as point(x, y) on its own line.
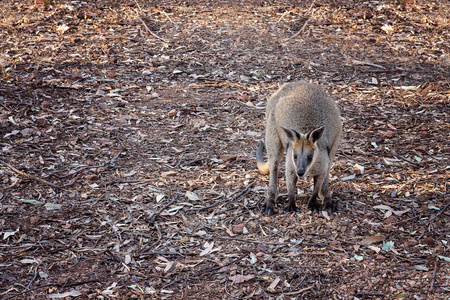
point(303, 120)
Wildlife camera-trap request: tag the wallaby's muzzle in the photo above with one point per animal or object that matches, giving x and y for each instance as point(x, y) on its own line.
point(300, 173)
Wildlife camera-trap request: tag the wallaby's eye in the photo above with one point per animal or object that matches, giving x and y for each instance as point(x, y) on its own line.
point(310, 157)
point(295, 156)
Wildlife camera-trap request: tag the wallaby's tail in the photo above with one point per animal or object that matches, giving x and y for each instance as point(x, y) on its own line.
point(262, 166)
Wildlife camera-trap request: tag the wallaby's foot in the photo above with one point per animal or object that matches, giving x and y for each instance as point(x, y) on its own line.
point(330, 205)
point(314, 206)
point(268, 208)
point(291, 207)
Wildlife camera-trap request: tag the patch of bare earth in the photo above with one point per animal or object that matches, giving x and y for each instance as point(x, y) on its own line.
point(128, 131)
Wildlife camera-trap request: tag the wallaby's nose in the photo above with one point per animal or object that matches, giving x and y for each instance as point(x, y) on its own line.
point(300, 173)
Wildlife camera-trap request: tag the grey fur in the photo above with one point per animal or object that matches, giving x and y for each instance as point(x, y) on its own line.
point(300, 113)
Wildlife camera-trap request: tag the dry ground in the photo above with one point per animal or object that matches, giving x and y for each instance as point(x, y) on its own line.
point(128, 131)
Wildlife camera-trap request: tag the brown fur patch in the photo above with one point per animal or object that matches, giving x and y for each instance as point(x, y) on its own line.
point(303, 145)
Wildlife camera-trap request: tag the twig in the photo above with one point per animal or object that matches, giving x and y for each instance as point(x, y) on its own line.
point(30, 176)
point(75, 172)
point(152, 33)
point(168, 253)
point(166, 15)
point(153, 217)
point(362, 294)
point(129, 181)
point(229, 199)
point(306, 22)
point(282, 16)
point(148, 29)
point(89, 167)
point(299, 291)
point(298, 32)
point(437, 215)
point(434, 274)
point(368, 63)
point(207, 270)
point(50, 284)
point(260, 241)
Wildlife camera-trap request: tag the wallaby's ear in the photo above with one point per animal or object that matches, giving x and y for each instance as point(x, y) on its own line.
point(291, 134)
point(315, 135)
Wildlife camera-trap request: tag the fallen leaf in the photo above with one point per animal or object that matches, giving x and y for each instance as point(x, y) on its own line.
point(433, 207)
point(241, 278)
point(253, 258)
point(383, 207)
point(34, 202)
point(172, 113)
point(447, 259)
point(7, 234)
point(401, 212)
point(29, 261)
point(387, 245)
point(376, 249)
point(52, 206)
point(62, 28)
point(208, 248)
point(359, 168)
point(238, 229)
point(372, 239)
point(359, 257)
point(168, 173)
point(421, 268)
point(192, 196)
point(387, 28)
point(350, 177)
point(72, 293)
point(228, 157)
point(273, 285)
point(326, 215)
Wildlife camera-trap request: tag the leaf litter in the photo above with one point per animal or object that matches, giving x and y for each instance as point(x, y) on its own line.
point(128, 138)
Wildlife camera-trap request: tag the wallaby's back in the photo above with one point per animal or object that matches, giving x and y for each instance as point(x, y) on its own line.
point(304, 107)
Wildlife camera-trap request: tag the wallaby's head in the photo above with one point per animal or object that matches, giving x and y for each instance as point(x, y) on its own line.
point(303, 148)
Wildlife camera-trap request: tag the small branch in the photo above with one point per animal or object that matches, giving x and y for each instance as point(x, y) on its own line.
point(30, 176)
point(299, 291)
point(260, 241)
point(48, 285)
point(89, 167)
point(298, 32)
point(368, 63)
point(212, 269)
point(153, 217)
point(129, 181)
point(230, 199)
point(439, 213)
point(148, 29)
point(152, 33)
point(167, 16)
point(363, 294)
point(309, 12)
point(434, 275)
point(168, 253)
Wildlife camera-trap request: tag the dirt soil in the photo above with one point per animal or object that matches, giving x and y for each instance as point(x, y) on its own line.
point(128, 134)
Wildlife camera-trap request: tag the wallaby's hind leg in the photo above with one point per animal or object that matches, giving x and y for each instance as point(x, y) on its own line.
point(291, 181)
point(313, 203)
point(272, 192)
point(274, 155)
point(328, 203)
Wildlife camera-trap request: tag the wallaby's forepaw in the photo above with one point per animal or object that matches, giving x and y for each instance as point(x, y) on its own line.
point(314, 206)
point(330, 205)
point(291, 208)
point(268, 209)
